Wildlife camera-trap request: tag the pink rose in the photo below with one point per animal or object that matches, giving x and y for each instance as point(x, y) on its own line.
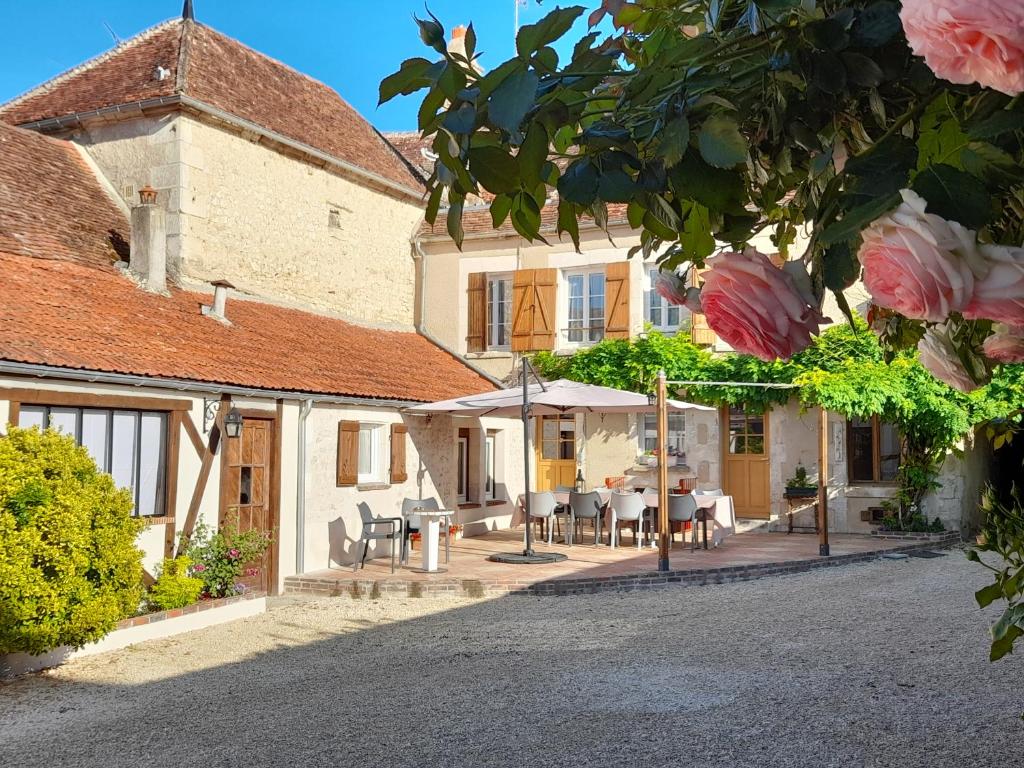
point(938, 356)
point(918, 263)
point(674, 290)
point(999, 295)
point(757, 308)
point(969, 41)
point(1006, 345)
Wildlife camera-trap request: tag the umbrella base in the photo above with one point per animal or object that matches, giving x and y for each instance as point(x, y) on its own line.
point(520, 558)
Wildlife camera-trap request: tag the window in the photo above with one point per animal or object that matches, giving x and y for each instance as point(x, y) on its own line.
point(463, 470)
point(558, 438)
point(371, 454)
point(499, 311)
point(130, 445)
point(660, 314)
point(649, 432)
point(489, 481)
point(586, 307)
point(874, 451)
point(746, 431)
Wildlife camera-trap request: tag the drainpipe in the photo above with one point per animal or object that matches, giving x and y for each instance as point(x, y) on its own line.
point(421, 321)
point(300, 490)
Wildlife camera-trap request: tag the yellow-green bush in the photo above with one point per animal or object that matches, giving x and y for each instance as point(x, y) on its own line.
point(174, 588)
point(69, 566)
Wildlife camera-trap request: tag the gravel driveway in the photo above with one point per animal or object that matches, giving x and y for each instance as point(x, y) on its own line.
point(882, 664)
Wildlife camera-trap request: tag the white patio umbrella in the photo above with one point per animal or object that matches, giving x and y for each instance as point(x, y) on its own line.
point(542, 399)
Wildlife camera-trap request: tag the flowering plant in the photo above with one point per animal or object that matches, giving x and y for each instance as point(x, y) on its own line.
point(220, 558)
point(861, 136)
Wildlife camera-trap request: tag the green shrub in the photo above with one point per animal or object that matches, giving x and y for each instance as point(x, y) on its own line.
point(69, 566)
point(174, 588)
point(219, 557)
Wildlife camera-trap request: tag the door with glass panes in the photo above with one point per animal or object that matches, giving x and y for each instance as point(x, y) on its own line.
point(746, 461)
point(247, 490)
point(556, 452)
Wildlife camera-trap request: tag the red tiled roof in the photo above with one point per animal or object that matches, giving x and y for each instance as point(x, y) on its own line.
point(68, 315)
point(411, 146)
point(478, 221)
point(51, 205)
point(64, 303)
point(225, 74)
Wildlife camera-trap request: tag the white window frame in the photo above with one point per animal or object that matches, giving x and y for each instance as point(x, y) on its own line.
point(493, 327)
point(654, 301)
point(156, 479)
point(376, 459)
point(490, 473)
point(647, 432)
point(462, 469)
point(586, 330)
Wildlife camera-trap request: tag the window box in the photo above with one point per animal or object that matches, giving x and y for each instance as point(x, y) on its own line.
point(801, 492)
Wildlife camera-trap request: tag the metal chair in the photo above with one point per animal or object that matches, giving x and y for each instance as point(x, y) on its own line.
point(543, 508)
point(369, 533)
point(628, 507)
point(412, 524)
point(682, 508)
point(585, 506)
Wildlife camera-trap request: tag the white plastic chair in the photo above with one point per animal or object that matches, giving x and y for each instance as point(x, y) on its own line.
point(682, 508)
point(627, 507)
point(543, 506)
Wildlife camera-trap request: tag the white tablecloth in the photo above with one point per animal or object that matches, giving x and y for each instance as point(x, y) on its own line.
point(721, 522)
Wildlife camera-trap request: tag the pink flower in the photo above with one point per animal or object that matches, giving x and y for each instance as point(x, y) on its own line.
point(938, 356)
point(757, 308)
point(918, 263)
point(674, 290)
point(969, 41)
point(999, 295)
point(1006, 345)
point(233, 553)
point(199, 568)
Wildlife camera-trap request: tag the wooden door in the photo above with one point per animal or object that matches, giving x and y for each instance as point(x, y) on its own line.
point(745, 459)
point(556, 452)
point(248, 492)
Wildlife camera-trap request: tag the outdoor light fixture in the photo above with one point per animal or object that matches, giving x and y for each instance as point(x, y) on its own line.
point(233, 423)
point(652, 398)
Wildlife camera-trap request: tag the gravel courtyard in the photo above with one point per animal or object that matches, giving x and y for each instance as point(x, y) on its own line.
point(882, 664)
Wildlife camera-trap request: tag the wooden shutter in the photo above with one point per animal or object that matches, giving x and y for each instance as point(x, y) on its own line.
point(398, 471)
point(616, 291)
point(534, 292)
point(348, 452)
point(700, 332)
point(476, 328)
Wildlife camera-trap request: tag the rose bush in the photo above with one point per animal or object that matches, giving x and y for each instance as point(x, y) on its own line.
point(999, 295)
point(969, 41)
point(755, 307)
point(938, 355)
point(1006, 345)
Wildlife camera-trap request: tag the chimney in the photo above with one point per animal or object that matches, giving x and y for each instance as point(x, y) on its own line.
point(148, 257)
point(457, 45)
point(220, 298)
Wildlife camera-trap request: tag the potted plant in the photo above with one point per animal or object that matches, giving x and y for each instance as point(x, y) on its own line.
point(799, 486)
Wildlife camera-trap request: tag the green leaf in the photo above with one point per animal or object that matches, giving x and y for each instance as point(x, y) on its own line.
point(991, 163)
point(986, 595)
point(512, 99)
point(840, 267)
point(470, 41)
point(500, 207)
point(532, 154)
point(526, 216)
point(411, 77)
point(718, 189)
point(954, 195)
point(876, 25)
point(675, 138)
point(531, 37)
point(635, 214)
point(696, 240)
point(720, 142)
point(861, 70)
point(579, 183)
point(494, 168)
point(853, 222)
point(829, 72)
point(454, 219)
point(1004, 645)
point(427, 115)
point(568, 221)
point(433, 203)
point(461, 120)
point(1003, 121)
point(615, 186)
point(490, 82)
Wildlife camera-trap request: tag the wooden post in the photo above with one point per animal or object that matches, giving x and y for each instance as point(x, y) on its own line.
point(664, 532)
point(823, 548)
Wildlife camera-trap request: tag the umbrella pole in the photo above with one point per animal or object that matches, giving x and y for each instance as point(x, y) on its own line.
point(528, 551)
point(664, 531)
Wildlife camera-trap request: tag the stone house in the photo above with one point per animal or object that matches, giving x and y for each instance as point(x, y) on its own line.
point(189, 230)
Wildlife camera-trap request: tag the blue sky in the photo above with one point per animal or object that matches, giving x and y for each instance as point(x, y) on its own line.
point(347, 44)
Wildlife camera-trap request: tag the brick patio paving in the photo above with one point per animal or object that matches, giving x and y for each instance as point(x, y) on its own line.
point(591, 568)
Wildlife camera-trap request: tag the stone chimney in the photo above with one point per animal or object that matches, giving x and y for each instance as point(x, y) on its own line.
point(148, 257)
point(220, 299)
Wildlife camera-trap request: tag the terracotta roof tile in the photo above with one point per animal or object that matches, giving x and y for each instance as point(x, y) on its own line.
point(70, 315)
point(477, 221)
point(52, 206)
point(225, 74)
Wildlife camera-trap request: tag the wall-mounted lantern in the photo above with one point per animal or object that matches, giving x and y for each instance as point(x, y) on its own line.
point(233, 423)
